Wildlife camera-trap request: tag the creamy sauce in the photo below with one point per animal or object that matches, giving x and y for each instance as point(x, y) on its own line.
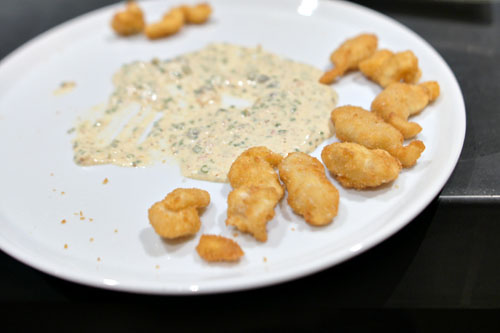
point(205, 108)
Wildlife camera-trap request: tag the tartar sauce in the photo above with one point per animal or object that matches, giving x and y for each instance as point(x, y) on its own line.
point(204, 108)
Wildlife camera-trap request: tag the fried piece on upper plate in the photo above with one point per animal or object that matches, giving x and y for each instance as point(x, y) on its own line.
point(177, 214)
point(218, 248)
point(170, 24)
point(400, 100)
point(354, 124)
point(386, 67)
point(249, 208)
point(349, 54)
point(129, 21)
point(257, 190)
point(255, 166)
point(310, 193)
point(197, 14)
point(356, 166)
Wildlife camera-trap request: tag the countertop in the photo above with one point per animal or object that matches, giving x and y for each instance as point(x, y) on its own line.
point(442, 267)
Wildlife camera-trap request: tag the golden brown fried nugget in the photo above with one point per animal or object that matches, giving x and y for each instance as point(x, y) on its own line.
point(249, 208)
point(171, 23)
point(386, 67)
point(177, 214)
point(181, 198)
point(197, 14)
point(218, 248)
point(354, 124)
point(255, 166)
point(349, 55)
point(257, 190)
point(356, 166)
point(129, 21)
point(310, 193)
point(400, 100)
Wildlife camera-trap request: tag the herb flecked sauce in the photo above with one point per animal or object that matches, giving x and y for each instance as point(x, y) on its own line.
point(205, 108)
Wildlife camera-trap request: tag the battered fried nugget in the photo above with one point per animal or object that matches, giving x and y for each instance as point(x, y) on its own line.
point(177, 214)
point(400, 100)
point(257, 190)
point(310, 193)
point(250, 208)
point(354, 124)
point(218, 248)
point(255, 166)
point(197, 14)
point(386, 67)
point(129, 21)
point(349, 54)
point(356, 166)
point(170, 24)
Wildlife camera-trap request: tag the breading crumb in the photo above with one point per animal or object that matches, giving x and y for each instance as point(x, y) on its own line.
point(63, 221)
point(91, 239)
point(105, 181)
point(264, 259)
point(65, 246)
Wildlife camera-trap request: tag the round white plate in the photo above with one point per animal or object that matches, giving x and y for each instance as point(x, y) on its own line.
point(41, 186)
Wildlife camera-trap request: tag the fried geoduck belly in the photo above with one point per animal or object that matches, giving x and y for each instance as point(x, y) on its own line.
point(257, 190)
point(385, 67)
point(356, 166)
point(310, 193)
point(354, 124)
point(399, 101)
point(349, 54)
point(177, 214)
point(218, 248)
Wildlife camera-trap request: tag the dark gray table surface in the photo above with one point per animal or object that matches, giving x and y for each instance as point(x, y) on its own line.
point(447, 258)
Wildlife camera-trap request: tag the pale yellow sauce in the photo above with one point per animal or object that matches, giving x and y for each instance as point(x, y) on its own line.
point(205, 108)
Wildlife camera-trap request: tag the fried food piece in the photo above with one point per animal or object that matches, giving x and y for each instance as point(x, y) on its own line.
point(349, 55)
point(177, 214)
point(129, 21)
point(257, 190)
point(255, 166)
point(356, 166)
point(400, 100)
point(385, 67)
point(171, 23)
point(197, 14)
point(218, 248)
point(250, 208)
point(354, 124)
point(310, 193)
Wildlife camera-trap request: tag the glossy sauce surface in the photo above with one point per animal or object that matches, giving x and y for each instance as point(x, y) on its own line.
point(204, 108)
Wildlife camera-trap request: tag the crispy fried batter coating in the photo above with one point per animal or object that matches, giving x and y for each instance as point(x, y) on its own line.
point(218, 248)
point(181, 198)
point(400, 100)
point(129, 21)
point(177, 214)
point(197, 14)
point(386, 67)
point(356, 166)
point(255, 166)
point(310, 193)
point(257, 190)
point(354, 124)
point(171, 23)
point(349, 55)
point(250, 208)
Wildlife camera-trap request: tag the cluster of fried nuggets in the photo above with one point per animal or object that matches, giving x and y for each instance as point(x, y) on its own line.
point(371, 154)
point(130, 21)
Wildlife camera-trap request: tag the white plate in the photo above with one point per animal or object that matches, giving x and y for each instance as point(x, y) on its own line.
point(37, 160)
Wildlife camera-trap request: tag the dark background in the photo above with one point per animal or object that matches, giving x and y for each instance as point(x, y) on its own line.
point(439, 273)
